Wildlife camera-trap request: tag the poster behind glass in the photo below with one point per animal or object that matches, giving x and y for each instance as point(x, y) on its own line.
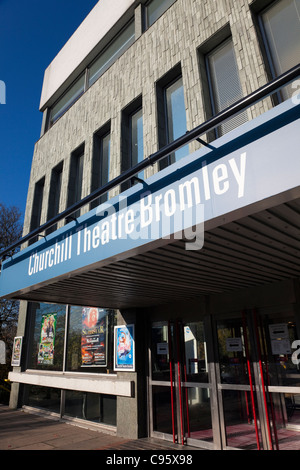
point(47, 339)
point(17, 350)
point(124, 348)
point(94, 337)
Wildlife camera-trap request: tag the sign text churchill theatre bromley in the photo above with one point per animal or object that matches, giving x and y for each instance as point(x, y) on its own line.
point(175, 203)
point(153, 217)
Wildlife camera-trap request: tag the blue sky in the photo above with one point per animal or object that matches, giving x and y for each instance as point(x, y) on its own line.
point(31, 34)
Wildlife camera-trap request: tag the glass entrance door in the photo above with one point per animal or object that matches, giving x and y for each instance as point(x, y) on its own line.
point(180, 384)
point(259, 380)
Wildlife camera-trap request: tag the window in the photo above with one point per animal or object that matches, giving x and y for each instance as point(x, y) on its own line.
point(132, 137)
point(116, 48)
point(66, 101)
point(69, 338)
point(171, 116)
point(42, 397)
point(155, 9)
point(46, 339)
point(75, 178)
point(82, 335)
point(90, 339)
point(224, 83)
point(101, 162)
point(281, 31)
point(136, 138)
point(54, 194)
point(107, 57)
point(37, 207)
point(91, 407)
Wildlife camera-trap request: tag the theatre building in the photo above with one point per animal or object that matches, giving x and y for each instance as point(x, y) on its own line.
point(159, 270)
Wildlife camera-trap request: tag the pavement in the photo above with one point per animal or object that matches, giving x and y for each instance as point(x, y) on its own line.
point(21, 430)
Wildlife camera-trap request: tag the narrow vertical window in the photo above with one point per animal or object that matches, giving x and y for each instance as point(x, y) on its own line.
point(54, 195)
point(101, 163)
point(105, 162)
point(37, 207)
point(132, 138)
point(172, 117)
point(176, 116)
point(136, 137)
point(76, 178)
point(225, 86)
point(280, 25)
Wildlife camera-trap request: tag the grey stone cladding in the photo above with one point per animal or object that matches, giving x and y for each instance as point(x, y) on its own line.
point(183, 34)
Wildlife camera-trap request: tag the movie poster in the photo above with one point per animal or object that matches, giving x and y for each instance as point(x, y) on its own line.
point(47, 339)
point(17, 350)
point(94, 337)
point(124, 348)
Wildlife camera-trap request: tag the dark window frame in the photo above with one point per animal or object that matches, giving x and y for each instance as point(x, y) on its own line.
point(126, 136)
point(97, 162)
point(162, 85)
point(37, 207)
point(211, 99)
point(55, 194)
point(74, 178)
point(258, 9)
point(146, 20)
point(85, 75)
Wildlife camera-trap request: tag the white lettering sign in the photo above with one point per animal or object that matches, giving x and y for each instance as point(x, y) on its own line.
point(176, 212)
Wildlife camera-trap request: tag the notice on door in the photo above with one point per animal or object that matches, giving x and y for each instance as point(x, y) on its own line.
point(162, 349)
point(234, 344)
point(279, 336)
point(278, 330)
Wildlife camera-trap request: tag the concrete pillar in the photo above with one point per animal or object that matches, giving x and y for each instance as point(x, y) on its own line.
point(131, 412)
point(16, 388)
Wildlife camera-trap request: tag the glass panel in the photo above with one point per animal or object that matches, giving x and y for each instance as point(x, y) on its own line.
point(56, 192)
point(88, 343)
point(112, 53)
point(91, 407)
point(79, 176)
point(54, 196)
point(105, 160)
point(160, 353)
point(239, 420)
point(76, 190)
point(37, 208)
point(176, 116)
point(46, 345)
point(137, 142)
point(225, 83)
point(232, 353)
point(286, 412)
point(43, 397)
point(104, 165)
point(280, 349)
point(195, 353)
point(282, 27)
point(66, 101)
point(198, 416)
point(162, 409)
point(156, 8)
point(176, 125)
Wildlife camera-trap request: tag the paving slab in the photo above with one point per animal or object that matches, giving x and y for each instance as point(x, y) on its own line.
point(21, 430)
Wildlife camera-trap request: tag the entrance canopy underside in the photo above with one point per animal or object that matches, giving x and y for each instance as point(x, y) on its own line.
point(259, 249)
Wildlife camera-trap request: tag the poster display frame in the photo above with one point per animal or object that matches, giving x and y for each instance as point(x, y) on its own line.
point(17, 351)
point(127, 364)
point(96, 334)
